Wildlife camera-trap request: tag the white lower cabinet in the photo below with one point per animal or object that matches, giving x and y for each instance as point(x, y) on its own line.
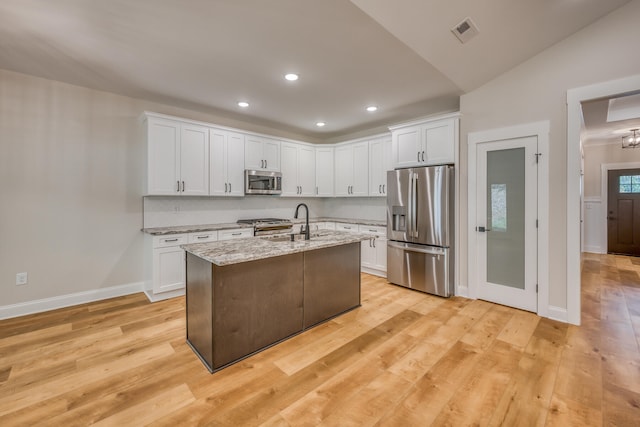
point(235, 233)
point(165, 263)
point(374, 250)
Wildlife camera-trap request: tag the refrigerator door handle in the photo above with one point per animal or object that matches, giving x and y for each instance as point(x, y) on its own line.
point(431, 250)
point(414, 205)
point(410, 206)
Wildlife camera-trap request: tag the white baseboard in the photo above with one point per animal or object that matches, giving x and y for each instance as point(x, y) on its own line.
point(594, 250)
point(164, 295)
point(53, 303)
point(462, 291)
point(375, 272)
point(558, 313)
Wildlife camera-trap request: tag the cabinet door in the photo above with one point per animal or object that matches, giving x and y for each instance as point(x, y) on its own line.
point(360, 186)
point(344, 170)
point(194, 160)
point(379, 164)
point(439, 142)
point(368, 253)
point(168, 269)
point(163, 154)
point(217, 163)
point(271, 154)
point(290, 184)
point(407, 147)
point(306, 170)
point(324, 171)
point(381, 254)
point(253, 158)
point(235, 164)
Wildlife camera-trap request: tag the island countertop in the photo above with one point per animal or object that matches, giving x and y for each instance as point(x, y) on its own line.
point(227, 252)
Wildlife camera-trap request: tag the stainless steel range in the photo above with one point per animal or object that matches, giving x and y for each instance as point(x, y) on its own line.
point(269, 226)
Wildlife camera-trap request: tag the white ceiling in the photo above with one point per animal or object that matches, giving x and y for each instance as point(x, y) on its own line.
point(600, 128)
point(209, 54)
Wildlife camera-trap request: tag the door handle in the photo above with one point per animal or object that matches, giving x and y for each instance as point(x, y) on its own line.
point(482, 229)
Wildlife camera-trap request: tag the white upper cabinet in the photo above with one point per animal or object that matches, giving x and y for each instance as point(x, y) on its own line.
point(324, 171)
point(430, 142)
point(298, 169)
point(261, 153)
point(177, 158)
point(352, 169)
point(379, 163)
point(226, 174)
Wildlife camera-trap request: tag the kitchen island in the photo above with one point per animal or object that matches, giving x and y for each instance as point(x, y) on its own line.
point(245, 295)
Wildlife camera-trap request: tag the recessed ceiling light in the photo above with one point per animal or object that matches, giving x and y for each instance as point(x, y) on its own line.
point(291, 77)
point(372, 108)
point(320, 124)
point(243, 104)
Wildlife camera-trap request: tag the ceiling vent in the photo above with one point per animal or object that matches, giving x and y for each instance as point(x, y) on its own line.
point(465, 30)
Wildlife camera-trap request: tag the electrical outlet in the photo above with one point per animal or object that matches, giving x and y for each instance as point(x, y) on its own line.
point(21, 279)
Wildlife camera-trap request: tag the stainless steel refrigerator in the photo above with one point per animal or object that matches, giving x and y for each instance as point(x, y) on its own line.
point(420, 229)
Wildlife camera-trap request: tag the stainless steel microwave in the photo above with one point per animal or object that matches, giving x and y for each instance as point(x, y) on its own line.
point(262, 182)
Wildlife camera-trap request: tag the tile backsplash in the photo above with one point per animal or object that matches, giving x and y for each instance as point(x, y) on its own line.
point(175, 211)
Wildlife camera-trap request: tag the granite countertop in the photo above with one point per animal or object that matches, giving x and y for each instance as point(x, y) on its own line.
point(344, 220)
point(159, 231)
point(235, 251)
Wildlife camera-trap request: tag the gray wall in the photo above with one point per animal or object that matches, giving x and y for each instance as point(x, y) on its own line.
point(536, 91)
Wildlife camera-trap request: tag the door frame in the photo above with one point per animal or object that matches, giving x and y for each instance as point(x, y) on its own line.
point(574, 192)
point(604, 196)
point(541, 131)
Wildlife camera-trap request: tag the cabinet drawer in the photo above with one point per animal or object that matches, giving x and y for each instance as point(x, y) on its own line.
point(202, 237)
point(236, 233)
point(346, 227)
point(373, 229)
point(170, 240)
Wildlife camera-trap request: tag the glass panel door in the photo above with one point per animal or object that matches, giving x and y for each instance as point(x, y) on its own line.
point(506, 215)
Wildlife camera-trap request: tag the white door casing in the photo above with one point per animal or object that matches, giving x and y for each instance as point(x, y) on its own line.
point(539, 130)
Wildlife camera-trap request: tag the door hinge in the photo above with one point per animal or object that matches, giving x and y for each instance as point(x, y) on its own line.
point(538, 157)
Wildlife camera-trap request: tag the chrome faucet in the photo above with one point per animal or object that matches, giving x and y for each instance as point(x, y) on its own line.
point(306, 227)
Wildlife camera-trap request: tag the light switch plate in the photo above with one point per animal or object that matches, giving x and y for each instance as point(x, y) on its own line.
point(21, 279)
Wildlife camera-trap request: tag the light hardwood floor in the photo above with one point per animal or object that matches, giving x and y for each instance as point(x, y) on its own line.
point(403, 359)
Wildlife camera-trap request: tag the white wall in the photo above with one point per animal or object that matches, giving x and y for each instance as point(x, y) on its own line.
point(72, 162)
point(536, 91)
point(71, 168)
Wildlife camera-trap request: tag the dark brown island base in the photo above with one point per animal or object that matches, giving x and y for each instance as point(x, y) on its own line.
point(247, 295)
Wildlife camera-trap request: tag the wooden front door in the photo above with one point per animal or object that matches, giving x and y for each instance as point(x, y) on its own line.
point(623, 212)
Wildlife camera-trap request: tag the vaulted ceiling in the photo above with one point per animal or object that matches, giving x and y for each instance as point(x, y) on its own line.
point(209, 54)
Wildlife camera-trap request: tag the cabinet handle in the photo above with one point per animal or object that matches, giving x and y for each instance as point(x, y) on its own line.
point(229, 187)
point(225, 187)
point(266, 165)
point(202, 237)
point(384, 188)
point(178, 188)
point(170, 240)
point(369, 242)
point(317, 191)
point(380, 189)
point(423, 156)
point(373, 231)
point(183, 186)
point(347, 228)
point(236, 234)
point(418, 156)
point(374, 242)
